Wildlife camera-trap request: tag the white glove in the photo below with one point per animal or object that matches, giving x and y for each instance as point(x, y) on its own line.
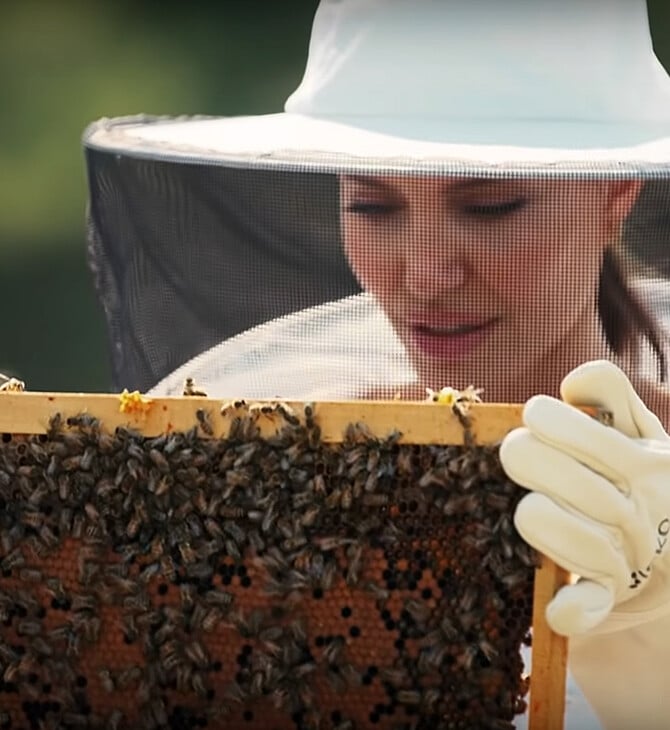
point(600, 500)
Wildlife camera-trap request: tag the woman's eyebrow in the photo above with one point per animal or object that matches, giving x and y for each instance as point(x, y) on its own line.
point(458, 183)
point(479, 182)
point(452, 186)
point(372, 182)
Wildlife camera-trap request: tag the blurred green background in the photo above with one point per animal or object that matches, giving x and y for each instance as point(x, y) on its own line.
point(64, 64)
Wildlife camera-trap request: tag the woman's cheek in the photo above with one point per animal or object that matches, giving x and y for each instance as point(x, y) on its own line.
point(527, 278)
point(377, 268)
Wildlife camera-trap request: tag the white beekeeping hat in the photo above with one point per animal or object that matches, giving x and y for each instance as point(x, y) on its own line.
point(433, 82)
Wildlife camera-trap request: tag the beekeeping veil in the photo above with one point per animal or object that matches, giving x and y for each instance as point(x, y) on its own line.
point(217, 244)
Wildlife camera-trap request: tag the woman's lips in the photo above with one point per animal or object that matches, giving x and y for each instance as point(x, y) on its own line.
point(449, 340)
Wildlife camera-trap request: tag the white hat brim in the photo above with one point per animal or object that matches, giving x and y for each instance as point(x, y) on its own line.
point(294, 141)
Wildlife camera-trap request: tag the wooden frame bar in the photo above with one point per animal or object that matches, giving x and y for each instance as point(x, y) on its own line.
point(418, 422)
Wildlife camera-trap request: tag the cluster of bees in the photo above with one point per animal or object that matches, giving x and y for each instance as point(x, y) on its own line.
point(187, 581)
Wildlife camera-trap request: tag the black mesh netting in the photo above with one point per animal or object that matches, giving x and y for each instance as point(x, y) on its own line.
point(177, 249)
point(498, 280)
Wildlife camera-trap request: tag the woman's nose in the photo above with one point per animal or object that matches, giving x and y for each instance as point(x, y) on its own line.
point(432, 270)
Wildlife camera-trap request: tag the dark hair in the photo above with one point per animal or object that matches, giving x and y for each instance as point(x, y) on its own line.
point(623, 316)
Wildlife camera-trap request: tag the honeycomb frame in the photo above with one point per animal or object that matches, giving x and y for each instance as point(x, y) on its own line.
point(419, 424)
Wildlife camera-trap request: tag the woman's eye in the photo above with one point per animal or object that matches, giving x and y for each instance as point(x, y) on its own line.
point(372, 209)
point(494, 210)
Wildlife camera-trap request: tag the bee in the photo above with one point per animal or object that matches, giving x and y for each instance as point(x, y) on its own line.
point(29, 628)
point(235, 693)
point(288, 414)
point(134, 469)
point(395, 676)
point(210, 547)
point(136, 602)
point(319, 484)
point(408, 697)
point(169, 655)
point(90, 628)
point(83, 602)
point(229, 512)
point(40, 647)
point(114, 720)
point(232, 549)
point(326, 544)
point(246, 454)
point(375, 500)
point(380, 594)
point(257, 684)
point(234, 530)
point(187, 594)
point(355, 564)
point(220, 598)
point(448, 628)
point(200, 501)
point(159, 713)
point(333, 651)
point(11, 385)
point(106, 442)
point(91, 512)
point(211, 619)
point(122, 585)
point(190, 389)
point(527, 555)
point(195, 653)
point(515, 579)
point(249, 626)
point(308, 410)
point(106, 680)
point(83, 420)
point(232, 406)
point(168, 569)
point(256, 542)
point(334, 499)
point(461, 504)
point(451, 397)
point(419, 611)
point(198, 684)
point(188, 554)
point(194, 526)
point(487, 649)
point(310, 516)
point(200, 570)
point(164, 632)
point(212, 527)
point(183, 677)
point(14, 559)
point(159, 461)
point(32, 518)
point(204, 422)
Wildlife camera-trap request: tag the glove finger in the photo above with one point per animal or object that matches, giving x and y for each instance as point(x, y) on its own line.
point(601, 448)
point(544, 469)
point(601, 383)
point(577, 544)
point(578, 608)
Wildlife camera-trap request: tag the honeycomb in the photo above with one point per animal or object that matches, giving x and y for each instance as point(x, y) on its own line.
point(274, 582)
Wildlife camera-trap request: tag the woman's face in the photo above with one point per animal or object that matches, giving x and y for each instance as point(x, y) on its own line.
point(484, 279)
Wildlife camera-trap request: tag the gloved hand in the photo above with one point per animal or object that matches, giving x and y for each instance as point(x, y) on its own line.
point(600, 500)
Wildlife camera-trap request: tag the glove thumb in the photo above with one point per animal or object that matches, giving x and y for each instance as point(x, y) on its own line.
point(578, 608)
point(601, 383)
